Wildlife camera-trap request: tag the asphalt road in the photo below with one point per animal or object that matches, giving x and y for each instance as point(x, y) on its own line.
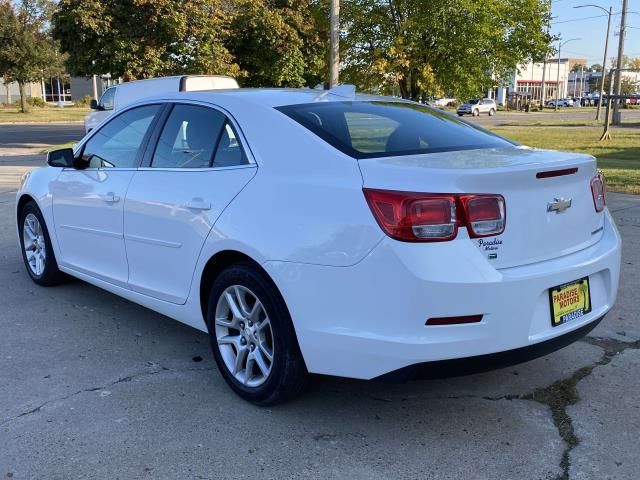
point(32, 135)
point(93, 386)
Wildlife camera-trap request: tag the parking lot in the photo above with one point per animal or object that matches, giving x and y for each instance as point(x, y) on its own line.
point(93, 386)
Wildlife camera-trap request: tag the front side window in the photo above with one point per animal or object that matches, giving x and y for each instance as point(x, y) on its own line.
point(382, 129)
point(117, 143)
point(106, 101)
point(197, 137)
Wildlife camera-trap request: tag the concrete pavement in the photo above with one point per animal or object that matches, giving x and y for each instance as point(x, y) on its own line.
point(93, 386)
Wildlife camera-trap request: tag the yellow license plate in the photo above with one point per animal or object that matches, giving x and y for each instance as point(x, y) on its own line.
point(569, 301)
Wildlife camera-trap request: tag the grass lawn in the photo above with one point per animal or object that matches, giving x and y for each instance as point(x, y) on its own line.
point(619, 157)
point(43, 115)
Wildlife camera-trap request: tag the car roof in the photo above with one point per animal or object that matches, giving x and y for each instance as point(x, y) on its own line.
point(271, 97)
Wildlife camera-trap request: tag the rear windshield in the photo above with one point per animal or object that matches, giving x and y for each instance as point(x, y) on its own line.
point(383, 129)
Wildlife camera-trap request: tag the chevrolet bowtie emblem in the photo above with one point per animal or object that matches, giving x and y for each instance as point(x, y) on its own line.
point(558, 205)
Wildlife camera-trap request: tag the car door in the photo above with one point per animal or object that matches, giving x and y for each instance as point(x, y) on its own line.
point(88, 201)
point(195, 165)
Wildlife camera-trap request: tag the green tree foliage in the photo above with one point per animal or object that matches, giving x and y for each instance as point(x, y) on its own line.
point(27, 53)
point(429, 47)
point(278, 42)
point(263, 42)
point(596, 67)
point(143, 38)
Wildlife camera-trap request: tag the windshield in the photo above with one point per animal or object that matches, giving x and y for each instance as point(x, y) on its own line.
point(383, 129)
point(474, 101)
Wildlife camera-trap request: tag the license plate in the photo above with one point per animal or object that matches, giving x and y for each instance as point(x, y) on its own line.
point(570, 301)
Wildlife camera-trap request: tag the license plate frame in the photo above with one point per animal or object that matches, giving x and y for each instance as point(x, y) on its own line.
point(561, 314)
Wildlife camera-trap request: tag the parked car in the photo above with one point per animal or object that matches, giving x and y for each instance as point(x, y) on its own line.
point(119, 95)
point(442, 102)
point(475, 107)
point(562, 102)
point(327, 232)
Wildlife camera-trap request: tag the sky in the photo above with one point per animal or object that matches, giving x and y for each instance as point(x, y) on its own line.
point(572, 22)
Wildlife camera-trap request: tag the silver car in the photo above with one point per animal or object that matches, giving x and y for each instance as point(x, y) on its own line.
point(477, 106)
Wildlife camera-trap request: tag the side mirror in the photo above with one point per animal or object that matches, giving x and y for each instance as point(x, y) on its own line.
point(61, 158)
point(94, 104)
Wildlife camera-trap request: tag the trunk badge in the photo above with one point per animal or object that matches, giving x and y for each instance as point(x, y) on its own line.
point(558, 205)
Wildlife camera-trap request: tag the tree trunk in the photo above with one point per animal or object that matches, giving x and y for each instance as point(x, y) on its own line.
point(402, 83)
point(23, 98)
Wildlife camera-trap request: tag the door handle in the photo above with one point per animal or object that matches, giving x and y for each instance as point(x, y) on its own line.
point(110, 197)
point(198, 204)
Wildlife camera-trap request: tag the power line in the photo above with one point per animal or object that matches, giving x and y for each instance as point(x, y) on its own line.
point(578, 19)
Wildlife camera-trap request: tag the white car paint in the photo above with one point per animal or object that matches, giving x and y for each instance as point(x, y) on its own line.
point(358, 298)
point(128, 92)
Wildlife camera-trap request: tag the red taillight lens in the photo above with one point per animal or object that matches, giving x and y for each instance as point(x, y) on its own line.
point(485, 214)
point(427, 217)
point(599, 192)
point(414, 217)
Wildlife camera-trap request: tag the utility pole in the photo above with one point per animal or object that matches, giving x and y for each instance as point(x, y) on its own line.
point(544, 86)
point(604, 61)
point(560, 45)
point(334, 26)
point(623, 25)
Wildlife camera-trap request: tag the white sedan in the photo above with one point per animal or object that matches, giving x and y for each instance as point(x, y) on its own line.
point(328, 232)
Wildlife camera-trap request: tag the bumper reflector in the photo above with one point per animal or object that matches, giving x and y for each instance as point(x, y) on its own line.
point(454, 320)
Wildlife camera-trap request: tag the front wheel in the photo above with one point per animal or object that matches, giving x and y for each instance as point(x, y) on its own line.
point(476, 113)
point(460, 114)
point(252, 336)
point(37, 251)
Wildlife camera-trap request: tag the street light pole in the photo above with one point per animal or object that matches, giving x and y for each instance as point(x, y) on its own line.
point(560, 45)
point(334, 26)
point(606, 47)
point(623, 23)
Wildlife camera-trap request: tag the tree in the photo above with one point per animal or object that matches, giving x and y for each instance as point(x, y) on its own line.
point(417, 47)
point(277, 42)
point(579, 66)
point(596, 67)
point(144, 38)
point(27, 50)
point(631, 62)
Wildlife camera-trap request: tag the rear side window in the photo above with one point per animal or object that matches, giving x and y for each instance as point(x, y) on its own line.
point(197, 137)
point(382, 129)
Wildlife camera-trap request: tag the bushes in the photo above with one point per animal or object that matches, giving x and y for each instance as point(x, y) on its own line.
point(36, 102)
point(83, 102)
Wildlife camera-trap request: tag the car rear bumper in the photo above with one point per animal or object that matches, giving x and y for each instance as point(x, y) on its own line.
point(491, 361)
point(367, 320)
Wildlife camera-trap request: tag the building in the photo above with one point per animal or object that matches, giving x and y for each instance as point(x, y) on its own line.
point(53, 90)
point(526, 81)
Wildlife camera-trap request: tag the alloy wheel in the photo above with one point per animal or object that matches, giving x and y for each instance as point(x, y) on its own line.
point(244, 335)
point(35, 248)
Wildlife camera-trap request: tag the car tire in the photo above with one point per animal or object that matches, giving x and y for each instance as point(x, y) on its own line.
point(252, 336)
point(492, 112)
point(476, 113)
point(37, 252)
point(460, 114)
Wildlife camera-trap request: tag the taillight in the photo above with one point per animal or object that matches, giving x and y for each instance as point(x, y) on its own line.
point(414, 217)
point(599, 192)
point(426, 217)
point(485, 214)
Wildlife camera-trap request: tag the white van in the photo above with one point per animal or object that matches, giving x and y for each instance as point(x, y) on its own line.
point(119, 95)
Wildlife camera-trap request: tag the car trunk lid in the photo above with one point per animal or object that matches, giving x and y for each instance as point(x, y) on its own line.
point(549, 204)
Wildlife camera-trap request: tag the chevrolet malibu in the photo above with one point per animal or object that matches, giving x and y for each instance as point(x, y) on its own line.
point(328, 232)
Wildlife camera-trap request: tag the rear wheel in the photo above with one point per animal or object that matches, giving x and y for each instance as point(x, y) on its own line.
point(252, 336)
point(492, 112)
point(37, 252)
